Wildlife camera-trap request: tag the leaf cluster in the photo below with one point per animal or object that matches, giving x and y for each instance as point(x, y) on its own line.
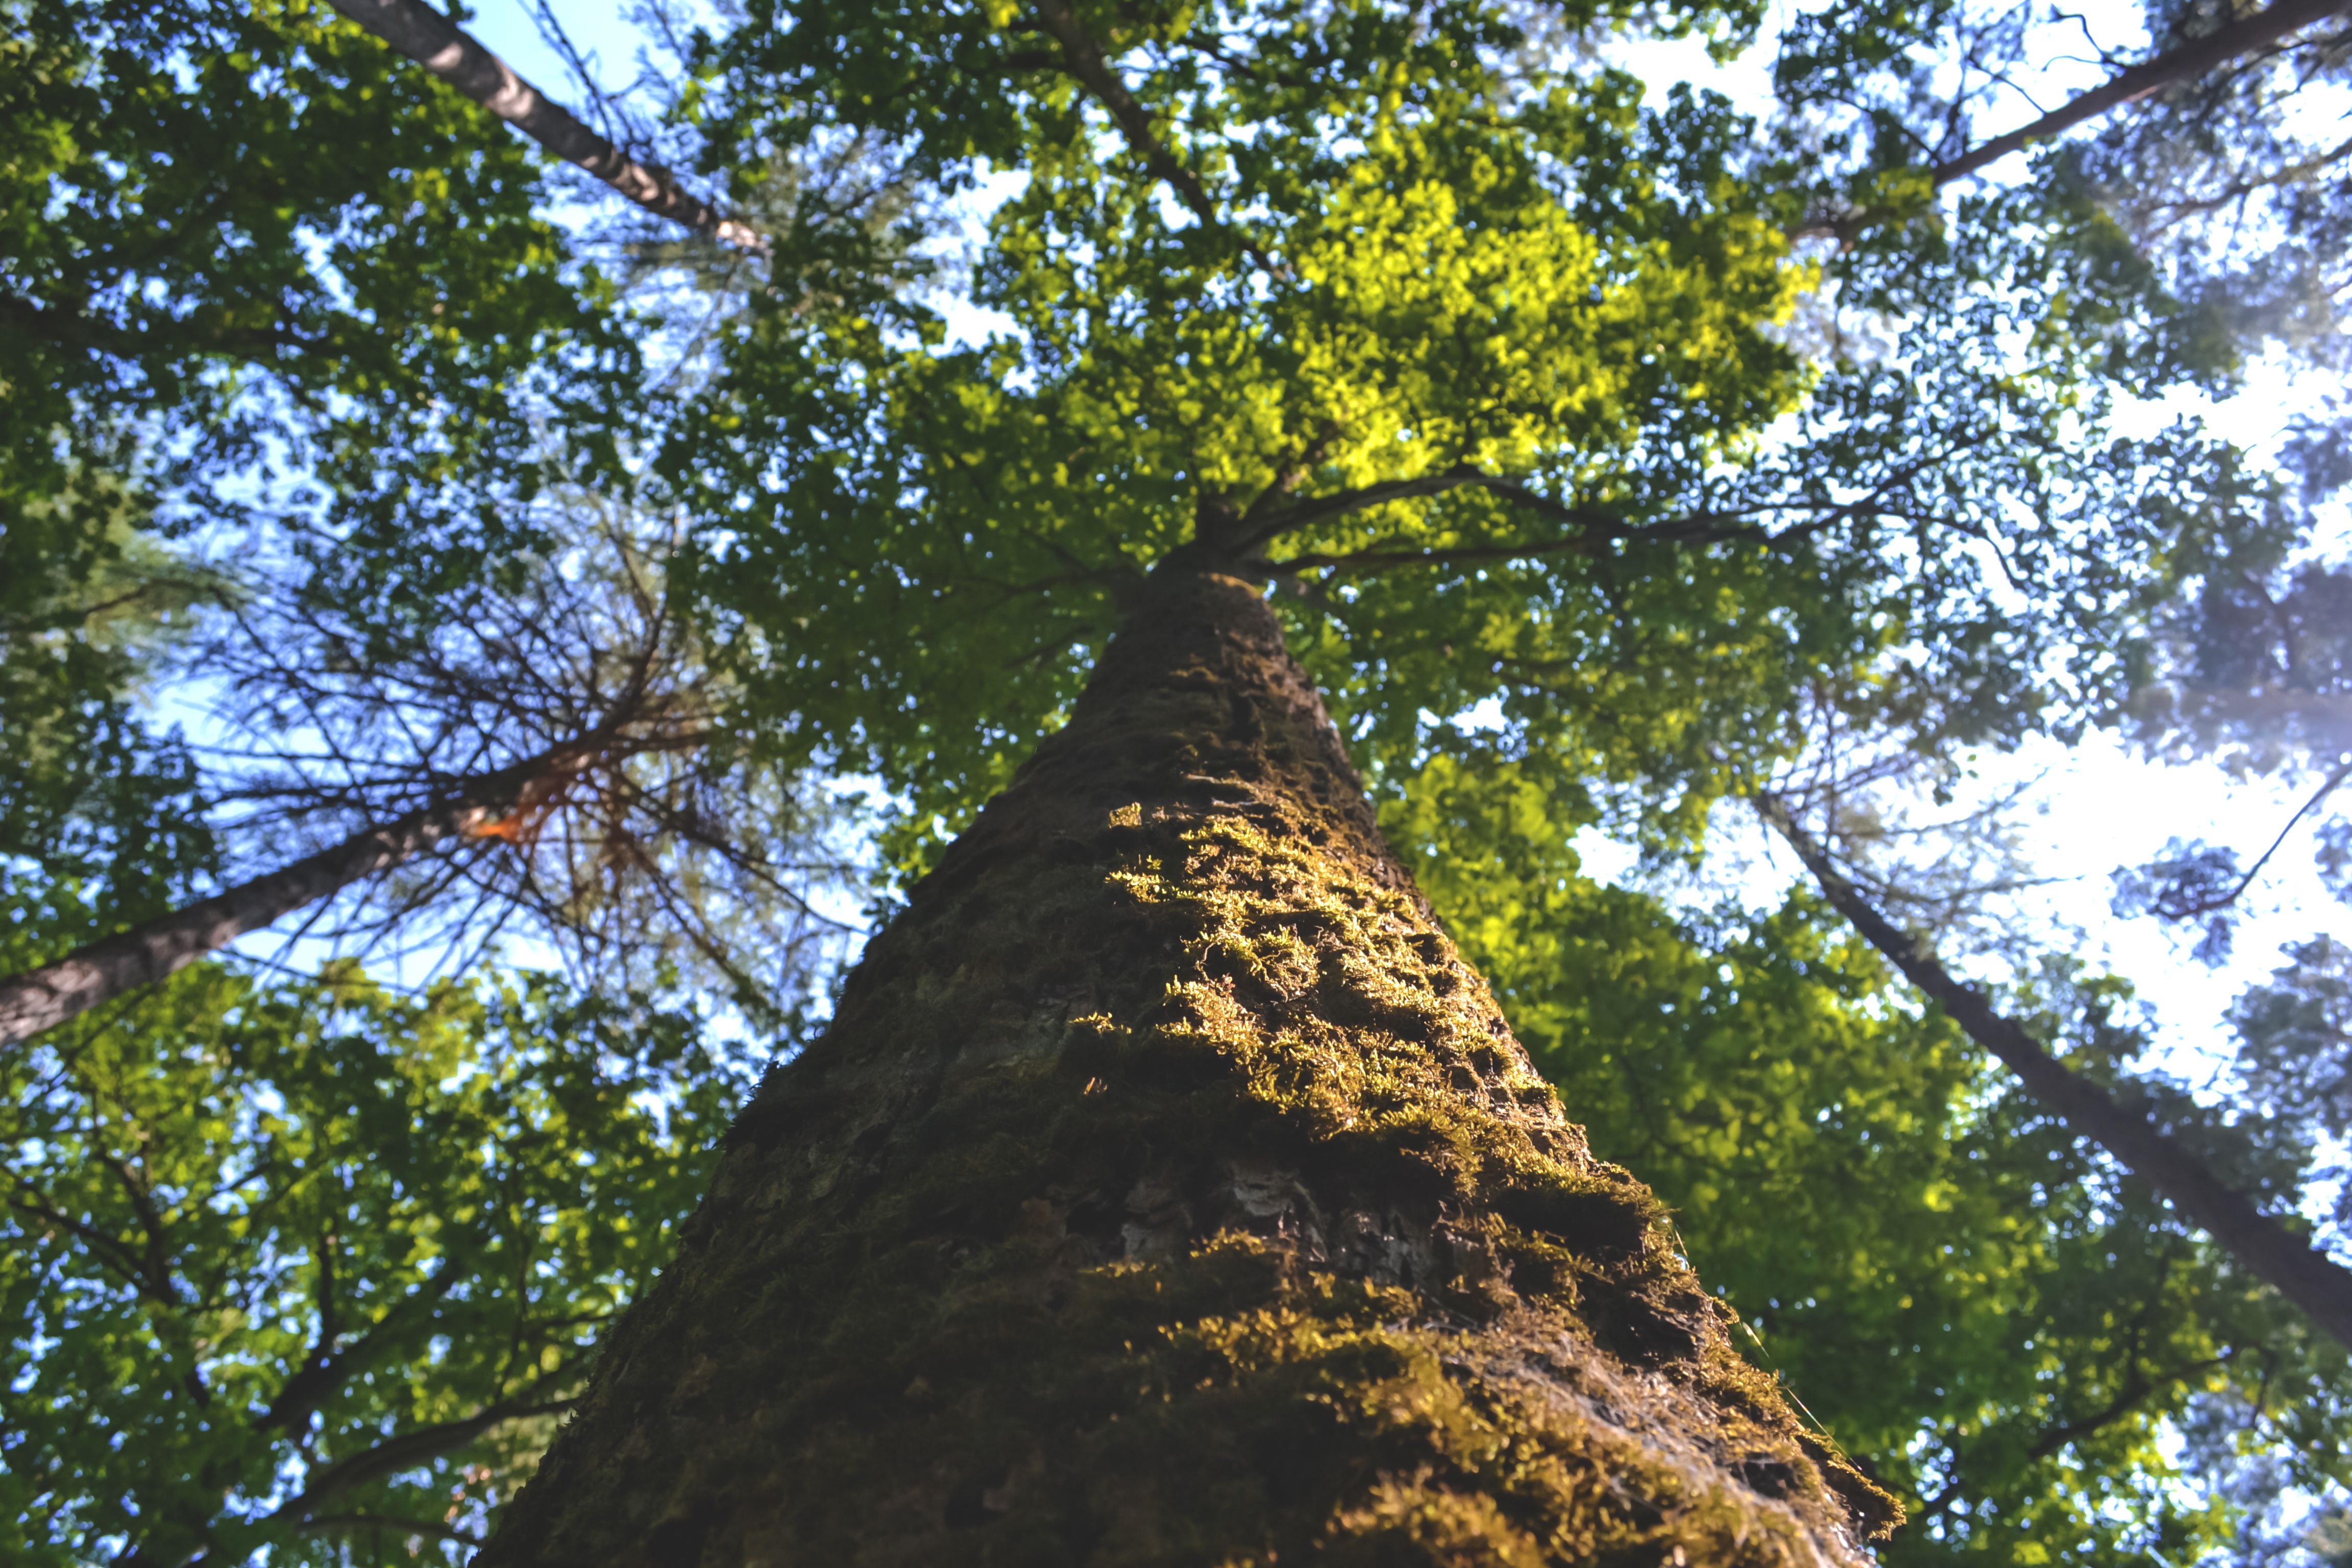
point(312, 1266)
point(259, 267)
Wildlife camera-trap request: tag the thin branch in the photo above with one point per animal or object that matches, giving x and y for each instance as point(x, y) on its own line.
point(69, 328)
point(2135, 1389)
point(327, 1367)
point(109, 1249)
point(432, 1529)
point(409, 1449)
point(2206, 906)
point(1085, 61)
point(2241, 189)
point(388, 1457)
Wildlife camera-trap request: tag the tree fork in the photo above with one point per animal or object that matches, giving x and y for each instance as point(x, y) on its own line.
point(1165, 1190)
point(42, 998)
point(2272, 1253)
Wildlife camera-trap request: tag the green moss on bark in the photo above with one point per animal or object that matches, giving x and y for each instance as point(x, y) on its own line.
point(1168, 1191)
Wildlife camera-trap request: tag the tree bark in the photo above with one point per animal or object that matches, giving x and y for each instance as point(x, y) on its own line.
point(457, 57)
point(44, 997)
point(2186, 63)
point(1167, 1190)
point(2268, 1250)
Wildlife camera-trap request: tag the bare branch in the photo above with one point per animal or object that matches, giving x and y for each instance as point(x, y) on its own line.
point(2189, 908)
point(2245, 37)
point(44, 997)
point(2191, 61)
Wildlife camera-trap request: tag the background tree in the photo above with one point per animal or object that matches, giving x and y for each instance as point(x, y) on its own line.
point(310, 1267)
point(95, 797)
point(187, 322)
point(297, 341)
point(2215, 151)
point(2272, 1249)
point(457, 57)
point(498, 421)
point(557, 753)
point(331, 1251)
point(294, 1259)
point(1869, 1191)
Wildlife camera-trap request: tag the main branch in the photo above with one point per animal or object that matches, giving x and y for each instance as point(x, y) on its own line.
point(1595, 526)
point(2288, 1263)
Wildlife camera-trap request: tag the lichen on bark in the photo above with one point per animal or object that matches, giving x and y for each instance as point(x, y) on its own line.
point(1167, 1190)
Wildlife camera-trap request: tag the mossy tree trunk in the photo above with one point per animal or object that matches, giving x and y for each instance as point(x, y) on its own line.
point(1168, 1191)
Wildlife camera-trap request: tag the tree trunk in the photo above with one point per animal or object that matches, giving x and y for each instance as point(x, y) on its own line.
point(2187, 63)
point(1168, 1191)
point(457, 57)
point(44, 997)
point(2265, 1248)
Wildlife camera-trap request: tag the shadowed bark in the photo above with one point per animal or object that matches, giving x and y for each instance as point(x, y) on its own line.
point(1168, 1190)
point(2265, 1248)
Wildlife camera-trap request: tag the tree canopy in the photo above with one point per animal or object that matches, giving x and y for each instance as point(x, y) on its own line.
point(1513, 380)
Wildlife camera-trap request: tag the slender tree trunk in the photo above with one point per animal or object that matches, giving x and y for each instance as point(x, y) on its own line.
point(44, 997)
point(457, 57)
point(2267, 1249)
point(1168, 1191)
point(2187, 63)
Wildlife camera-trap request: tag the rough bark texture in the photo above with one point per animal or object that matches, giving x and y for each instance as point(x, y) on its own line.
point(1168, 1191)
